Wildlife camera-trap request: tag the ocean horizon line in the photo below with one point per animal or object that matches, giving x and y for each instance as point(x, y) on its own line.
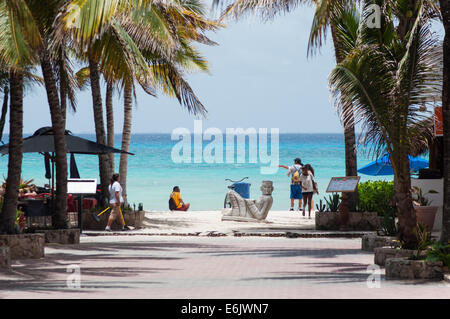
point(169, 133)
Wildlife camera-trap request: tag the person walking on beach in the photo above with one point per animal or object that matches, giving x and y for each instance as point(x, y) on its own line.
point(178, 201)
point(115, 201)
point(307, 184)
point(296, 191)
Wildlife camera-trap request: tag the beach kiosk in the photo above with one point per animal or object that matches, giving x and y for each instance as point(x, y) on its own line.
point(343, 185)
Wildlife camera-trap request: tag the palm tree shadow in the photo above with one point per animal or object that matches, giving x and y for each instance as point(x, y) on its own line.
point(42, 274)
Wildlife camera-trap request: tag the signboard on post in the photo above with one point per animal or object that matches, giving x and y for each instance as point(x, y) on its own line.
point(81, 186)
point(346, 184)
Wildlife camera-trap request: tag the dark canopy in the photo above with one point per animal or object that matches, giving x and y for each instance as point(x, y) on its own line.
point(42, 142)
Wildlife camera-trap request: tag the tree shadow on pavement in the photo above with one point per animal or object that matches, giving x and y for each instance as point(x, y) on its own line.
point(299, 252)
point(340, 273)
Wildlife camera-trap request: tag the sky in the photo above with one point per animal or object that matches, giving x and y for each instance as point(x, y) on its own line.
point(260, 77)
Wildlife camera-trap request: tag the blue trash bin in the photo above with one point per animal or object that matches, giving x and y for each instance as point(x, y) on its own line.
point(242, 189)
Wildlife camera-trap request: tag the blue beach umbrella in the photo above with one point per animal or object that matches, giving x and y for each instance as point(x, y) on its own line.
point(382, 166)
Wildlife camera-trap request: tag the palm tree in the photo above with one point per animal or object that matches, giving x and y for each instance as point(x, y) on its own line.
point(98, 37)
point(44, 14)
point(445, 11)
point(325, 13)
point(149, 44)
point(18, 40)
point(32, 22)
point(15, 154)
point(104, 164)
point(167, 67)
point(388, 77)
point(329, 14)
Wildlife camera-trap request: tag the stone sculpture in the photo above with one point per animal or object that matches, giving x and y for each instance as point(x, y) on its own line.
point(243, 209)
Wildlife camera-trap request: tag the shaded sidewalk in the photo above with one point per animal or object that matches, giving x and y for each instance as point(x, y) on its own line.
point(199, 267)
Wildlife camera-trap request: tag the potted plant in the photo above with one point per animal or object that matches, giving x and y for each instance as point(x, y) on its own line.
point(425, 262)
point(425, 213)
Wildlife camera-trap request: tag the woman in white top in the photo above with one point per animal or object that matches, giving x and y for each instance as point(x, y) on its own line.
point(307, 183)
point(115, 201)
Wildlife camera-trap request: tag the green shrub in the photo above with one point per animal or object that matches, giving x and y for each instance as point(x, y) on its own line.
point(333, 202)
point(439, 252)
point(376, 196)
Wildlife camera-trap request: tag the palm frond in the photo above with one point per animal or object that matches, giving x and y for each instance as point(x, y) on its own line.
point(266, 9)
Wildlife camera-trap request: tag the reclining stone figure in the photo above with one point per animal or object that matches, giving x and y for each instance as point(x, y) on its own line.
point(243, 209)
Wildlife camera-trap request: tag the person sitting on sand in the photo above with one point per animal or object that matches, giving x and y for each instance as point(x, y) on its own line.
point(178, 201)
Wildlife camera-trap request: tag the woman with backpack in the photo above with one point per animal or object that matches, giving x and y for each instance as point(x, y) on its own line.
point(296, 191)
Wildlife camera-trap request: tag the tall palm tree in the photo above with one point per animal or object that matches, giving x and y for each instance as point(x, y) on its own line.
point(149, 44)
point(445, 11)
point(15, 154)
point(388, 77)
point(44, 14)
point(103, 159)
point(93, 26)
point(325, 13)
point(329, 14)
point(34, 19)
point(167, 67)
point(19, 38)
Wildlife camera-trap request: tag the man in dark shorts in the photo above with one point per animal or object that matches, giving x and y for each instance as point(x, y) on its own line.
point(295, 172)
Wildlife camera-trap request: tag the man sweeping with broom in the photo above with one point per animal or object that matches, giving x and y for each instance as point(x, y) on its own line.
point(115, 201)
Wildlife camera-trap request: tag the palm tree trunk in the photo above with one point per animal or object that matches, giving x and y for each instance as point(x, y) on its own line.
point(104, 165)
point(445, 11)
point(4, 110)
point(126, 137)
point(59, 219)
point(350, 156)
point(110, 122)
point(9, 209)
point(405, 209)
point(406, 214)
point(351, 165)
point(63, 98)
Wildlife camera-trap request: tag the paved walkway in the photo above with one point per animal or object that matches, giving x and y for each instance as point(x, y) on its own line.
point(200, 267)
point(197, 267)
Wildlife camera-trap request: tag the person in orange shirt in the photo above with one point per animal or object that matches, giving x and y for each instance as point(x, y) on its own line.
point(176, 196)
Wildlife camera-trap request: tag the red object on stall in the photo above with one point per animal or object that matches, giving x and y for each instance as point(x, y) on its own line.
point(72, 204)
point(89, 203)
point(438, 127)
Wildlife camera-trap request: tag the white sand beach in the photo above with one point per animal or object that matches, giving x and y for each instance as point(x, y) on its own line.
point(210, 223)
point(207, 221)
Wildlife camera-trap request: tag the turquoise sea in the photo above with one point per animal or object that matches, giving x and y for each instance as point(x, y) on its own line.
point(152, 173)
